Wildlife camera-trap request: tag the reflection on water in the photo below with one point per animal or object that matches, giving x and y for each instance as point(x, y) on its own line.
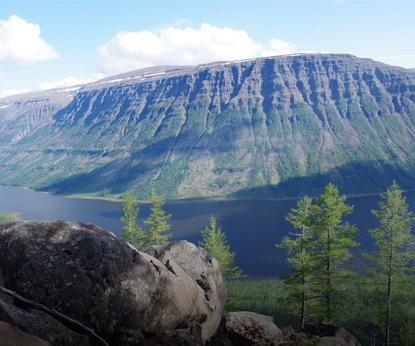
point(252, 226)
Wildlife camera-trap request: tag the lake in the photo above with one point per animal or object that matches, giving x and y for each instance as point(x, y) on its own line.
point(252, 227)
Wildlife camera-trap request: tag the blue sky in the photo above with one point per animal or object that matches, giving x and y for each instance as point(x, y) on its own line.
point(57, 43)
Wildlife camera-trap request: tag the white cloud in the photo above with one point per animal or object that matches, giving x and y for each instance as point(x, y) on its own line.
point(20, 42)
point(128, 51)
point(68, 81)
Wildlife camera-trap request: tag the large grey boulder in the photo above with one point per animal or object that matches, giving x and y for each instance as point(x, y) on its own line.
point(168, 298)
point(204, 269)
point(91, 276)
point(249, 328)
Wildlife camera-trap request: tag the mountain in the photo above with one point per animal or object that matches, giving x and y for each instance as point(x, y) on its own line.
point(281, 126)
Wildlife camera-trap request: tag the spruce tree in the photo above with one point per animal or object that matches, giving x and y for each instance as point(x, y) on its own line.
point(395, 254)
point(157, 222)
point(300, 256)
point(131, 233)
point(332, 240)
point(214, 242)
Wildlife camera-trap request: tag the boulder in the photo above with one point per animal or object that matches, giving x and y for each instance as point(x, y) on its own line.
point(190, 336)
point(41, 325)
point(170, 298)
point(220, 338)
point(346, 336)
point(4, 297)
point(91, 276)
point(288, 333)
point(204, 269)
point(332, 341)
point(330, 335)
point(11, 336)
point(249, 328)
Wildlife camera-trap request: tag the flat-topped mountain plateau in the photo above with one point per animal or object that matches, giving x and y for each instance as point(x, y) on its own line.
point(274, 127)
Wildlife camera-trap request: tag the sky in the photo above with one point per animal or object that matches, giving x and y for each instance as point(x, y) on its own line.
point(59, 43)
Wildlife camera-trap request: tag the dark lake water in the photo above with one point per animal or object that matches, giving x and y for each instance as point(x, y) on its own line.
point(252, 227)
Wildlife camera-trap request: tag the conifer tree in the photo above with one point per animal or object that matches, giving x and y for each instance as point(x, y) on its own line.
point(300, 256)
point(395, 254)
point(157, 222)
point(214, 242)
point(320, 255)
point(131, 233)
point(333, 238)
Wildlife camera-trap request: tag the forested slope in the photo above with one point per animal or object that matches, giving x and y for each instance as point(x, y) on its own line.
point(270, 127)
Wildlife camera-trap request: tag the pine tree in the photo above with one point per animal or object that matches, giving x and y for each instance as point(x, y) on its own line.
point(157, 222)
point(333, 238)
point(300, 256)
point(214, 242)
point(395, 254)
point(131, 233)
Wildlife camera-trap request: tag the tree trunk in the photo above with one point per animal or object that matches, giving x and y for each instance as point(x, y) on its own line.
point(388, 312)
point(328, 283)
point(303, 311)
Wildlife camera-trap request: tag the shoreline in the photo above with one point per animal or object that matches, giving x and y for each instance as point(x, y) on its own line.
point(198, 199)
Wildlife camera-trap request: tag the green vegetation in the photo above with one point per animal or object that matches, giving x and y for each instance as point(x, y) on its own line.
point(300, 256)
point(157, 221)
point(269, 297)
point(319, 255)
point(131, 233)
point(265, 297)
point(243, 137)
point(6, 216)
point(214, 242)
point(395, 255)
point(331, 240)
point(376, 306)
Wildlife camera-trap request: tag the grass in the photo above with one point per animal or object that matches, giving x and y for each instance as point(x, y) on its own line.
point(6, 216)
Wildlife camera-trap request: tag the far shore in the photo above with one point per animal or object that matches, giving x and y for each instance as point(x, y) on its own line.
point(198, 199)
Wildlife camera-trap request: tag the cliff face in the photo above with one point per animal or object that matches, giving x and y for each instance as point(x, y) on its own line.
point(269, 127)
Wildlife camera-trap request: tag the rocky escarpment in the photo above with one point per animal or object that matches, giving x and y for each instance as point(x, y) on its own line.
point(124, 295)
point(267, 127)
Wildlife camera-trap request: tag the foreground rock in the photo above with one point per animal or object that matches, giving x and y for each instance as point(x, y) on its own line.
point(123, 294)
point(41, 325)
point(331, 335)
point(204, 270)
point(11, 336)
point(248, 328)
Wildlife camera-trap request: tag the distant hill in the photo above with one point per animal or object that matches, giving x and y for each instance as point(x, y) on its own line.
point(271, 127)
